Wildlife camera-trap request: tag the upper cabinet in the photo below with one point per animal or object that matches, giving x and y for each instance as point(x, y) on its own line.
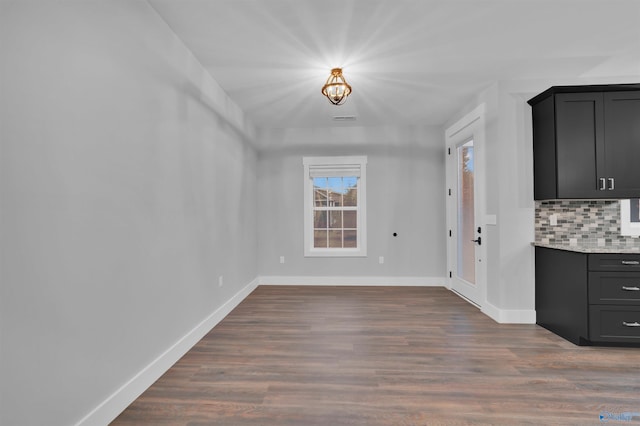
point(586, 142)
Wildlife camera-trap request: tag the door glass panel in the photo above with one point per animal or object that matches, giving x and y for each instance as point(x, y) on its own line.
point(466, 222)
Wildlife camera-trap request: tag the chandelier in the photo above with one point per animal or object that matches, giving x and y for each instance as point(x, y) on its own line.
point(336, 88)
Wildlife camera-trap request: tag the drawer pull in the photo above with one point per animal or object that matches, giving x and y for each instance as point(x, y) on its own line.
point(625, 288)
point(631, 324)
point(630, 262)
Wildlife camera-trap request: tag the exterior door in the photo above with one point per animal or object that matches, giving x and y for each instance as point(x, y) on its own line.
point(466, 233)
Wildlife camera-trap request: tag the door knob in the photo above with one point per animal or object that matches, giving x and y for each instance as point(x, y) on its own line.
point(479, 241)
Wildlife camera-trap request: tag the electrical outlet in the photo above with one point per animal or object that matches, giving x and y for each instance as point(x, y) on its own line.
point(281, 259)
point(220, 281)
point(381, 260)
point(553, 220)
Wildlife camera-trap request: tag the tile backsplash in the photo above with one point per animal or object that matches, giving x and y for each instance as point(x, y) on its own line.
point(588, 223)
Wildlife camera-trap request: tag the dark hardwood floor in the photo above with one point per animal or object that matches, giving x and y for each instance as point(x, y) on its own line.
point(385, 356)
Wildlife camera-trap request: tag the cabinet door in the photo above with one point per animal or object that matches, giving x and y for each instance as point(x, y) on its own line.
point(561, 293)
point(622, 142)
point(544, 150)
point(579, 144)
point(618, 324)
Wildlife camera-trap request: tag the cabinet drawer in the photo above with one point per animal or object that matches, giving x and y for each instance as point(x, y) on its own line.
point(614, 324)
point(614, 262)
point(617, 288)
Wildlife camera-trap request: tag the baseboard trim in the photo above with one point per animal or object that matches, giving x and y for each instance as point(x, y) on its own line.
point(354, 281)
point(509, 316)
point(109, 409)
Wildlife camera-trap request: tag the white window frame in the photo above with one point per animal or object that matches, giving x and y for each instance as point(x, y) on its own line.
point(333, 165)
point(627, 228)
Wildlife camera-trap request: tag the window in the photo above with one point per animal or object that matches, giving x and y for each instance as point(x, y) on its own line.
point(630, 217)
point(334, 206)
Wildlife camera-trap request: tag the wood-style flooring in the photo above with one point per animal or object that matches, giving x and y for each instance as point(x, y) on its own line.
point(332, 356)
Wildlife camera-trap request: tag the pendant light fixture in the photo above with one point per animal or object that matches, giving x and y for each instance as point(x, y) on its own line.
point(336, 88)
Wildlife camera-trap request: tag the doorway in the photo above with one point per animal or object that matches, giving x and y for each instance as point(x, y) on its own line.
point(466, 242)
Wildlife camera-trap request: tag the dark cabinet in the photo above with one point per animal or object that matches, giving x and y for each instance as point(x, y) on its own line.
point(622, 142)
point(614, 298)
point(589, 298)
point(561, 293)
point(586, 142)
point(579, 137)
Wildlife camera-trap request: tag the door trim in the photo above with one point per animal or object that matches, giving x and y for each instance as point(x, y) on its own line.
point(471, 126)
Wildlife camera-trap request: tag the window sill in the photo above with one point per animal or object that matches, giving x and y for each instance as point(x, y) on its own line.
point(335, 253)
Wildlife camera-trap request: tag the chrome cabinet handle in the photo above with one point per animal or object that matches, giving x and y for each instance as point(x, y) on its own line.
point(612, 184)
point(630, 324)
point(630, 262)
point(625, 288)
point(603, 184)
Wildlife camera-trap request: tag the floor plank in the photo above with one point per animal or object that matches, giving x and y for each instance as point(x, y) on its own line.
point(322, 355)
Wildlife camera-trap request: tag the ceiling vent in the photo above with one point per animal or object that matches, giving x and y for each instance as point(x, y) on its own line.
point(344, 118)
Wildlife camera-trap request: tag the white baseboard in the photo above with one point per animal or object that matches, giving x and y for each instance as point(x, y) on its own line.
point(510, 316)
point(355, 281)
point(109, 409)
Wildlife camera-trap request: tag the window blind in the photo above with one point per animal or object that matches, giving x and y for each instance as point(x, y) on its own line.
point(334, 170)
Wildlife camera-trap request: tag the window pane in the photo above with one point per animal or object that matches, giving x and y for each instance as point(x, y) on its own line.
point(351, 197)
point(335, 219)
point(320, 239)
point(634, 215)
point(320, 182)
point(350, 182)
point(335, 199)
point(335, 191)
point(320, 191)
point(320, 219)
point(335, 239)
point(350, 219)
point(320, 197)
point(335, 184)
point(350, 239)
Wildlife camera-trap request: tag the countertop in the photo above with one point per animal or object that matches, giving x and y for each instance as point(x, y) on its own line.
point(584, 248)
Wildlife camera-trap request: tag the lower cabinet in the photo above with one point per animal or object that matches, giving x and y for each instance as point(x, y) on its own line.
point(589, 298)
point(611, 323)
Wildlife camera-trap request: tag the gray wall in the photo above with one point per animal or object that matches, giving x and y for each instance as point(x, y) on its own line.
point(509, 196)
point(405, 194)
point(509, 184)
point(127, 188)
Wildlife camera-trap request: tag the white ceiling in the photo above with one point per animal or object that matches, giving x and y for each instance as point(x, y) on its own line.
point(410, 62)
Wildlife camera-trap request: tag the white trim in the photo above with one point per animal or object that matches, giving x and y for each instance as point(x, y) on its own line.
point(353, 281)
point(111, 407)
point(465, 121)
point(509, 316)
point(470, 127)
